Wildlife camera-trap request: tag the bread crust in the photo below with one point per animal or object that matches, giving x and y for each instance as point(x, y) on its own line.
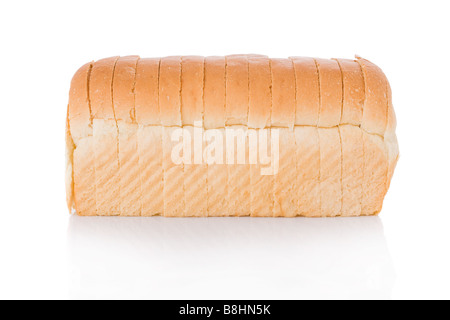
point(260, 98)
point(78, 111)
point(354, 92)
point(146, 92)
point(330, 93)
point(283, 93)
point(70, 147)
point(192, 68)
point(214, 93)
point(390, 138)
point(236, 110)
point(170, 91)
point(376, 101)
point(101, 88)
point(307, 102)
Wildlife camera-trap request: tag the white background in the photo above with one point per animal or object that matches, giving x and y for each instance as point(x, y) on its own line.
point(45, 253)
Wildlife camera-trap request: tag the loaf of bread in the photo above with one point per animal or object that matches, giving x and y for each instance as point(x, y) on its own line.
point(241, 135)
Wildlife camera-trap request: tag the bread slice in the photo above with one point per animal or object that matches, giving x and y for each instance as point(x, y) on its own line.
point(217, 179)
point(106, 138)
point(170, 106)
point(195, 174)
point(330, 172)
point(260, 102)
point(285, 189)
point(262, 183)
point(283, 93)
point(124, 107)
point(375, 174)
point(307, 178)
point(214, 118)
point(307, 102)
point(79, 116)
point(149, 136)
point(352, 169)
point(107, 179)
point(151, 169)
point(238, 170)
point(173, 176)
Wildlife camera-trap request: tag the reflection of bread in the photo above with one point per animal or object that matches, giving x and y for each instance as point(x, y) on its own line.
point(335, 120)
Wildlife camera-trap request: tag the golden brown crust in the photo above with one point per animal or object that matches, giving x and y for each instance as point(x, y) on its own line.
point(146, 92)
point(78, 110)
point(69, 166)
point(214, 93)
point(391, 118)
point(260, 99)
point(123, 88)
point(101, 88)
point(169, 91)
point(391, 139)
point(192, 68)
point(307, 91)
point(236, 109)
point(376, 102)
point(354, 92)
point(283, 93)
point(330, 93)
